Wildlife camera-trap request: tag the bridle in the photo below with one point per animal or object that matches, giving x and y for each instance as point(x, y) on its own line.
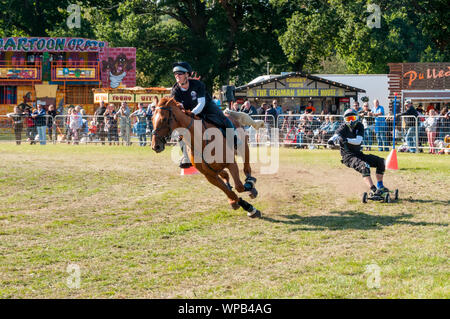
point(171, 118)
point(165, 138)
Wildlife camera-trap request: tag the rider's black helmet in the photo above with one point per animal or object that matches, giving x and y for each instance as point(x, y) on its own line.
point(182, 67)
point(351, 117)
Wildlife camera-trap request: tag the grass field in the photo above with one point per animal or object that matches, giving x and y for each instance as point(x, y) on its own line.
point(136, 229)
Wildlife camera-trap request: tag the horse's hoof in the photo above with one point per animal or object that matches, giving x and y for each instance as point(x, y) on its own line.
point(235, 205)
point(251, 179)
point(254, 214)
point(253, 193)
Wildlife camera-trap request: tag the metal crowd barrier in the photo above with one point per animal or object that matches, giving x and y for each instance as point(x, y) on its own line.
point(307, 130)
point(261, 136)
point(93, 129)
point(300, 130)
point(24, 128)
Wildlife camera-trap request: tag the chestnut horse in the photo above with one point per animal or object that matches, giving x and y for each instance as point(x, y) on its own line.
point(169, 116)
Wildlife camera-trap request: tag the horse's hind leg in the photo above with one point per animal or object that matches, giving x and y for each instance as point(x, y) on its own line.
point(247, 169)
point(234, 170)
point(226, 178)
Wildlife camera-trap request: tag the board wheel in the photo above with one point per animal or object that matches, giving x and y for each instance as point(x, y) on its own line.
point(364, 198)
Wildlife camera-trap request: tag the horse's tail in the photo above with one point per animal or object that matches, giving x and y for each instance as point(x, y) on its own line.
point(244, 119)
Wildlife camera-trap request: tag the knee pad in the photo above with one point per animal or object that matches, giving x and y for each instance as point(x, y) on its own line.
point(365, 171)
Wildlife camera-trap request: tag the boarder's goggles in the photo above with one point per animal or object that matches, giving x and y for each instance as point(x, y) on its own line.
point(350, 118)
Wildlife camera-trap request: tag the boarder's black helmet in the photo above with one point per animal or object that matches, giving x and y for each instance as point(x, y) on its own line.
point(351, 117)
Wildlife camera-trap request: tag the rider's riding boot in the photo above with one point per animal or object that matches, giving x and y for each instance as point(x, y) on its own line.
point(185, 165)
point(185, 161)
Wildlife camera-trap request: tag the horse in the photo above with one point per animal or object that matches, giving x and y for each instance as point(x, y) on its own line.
point(169, 116)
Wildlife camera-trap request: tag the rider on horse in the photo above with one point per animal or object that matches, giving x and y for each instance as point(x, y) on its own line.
point(192, 94)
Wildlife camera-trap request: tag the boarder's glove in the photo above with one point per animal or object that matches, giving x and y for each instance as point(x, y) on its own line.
point(335, 139)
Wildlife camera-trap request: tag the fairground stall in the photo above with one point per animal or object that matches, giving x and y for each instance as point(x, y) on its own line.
point(61, 71)
point(294, 90)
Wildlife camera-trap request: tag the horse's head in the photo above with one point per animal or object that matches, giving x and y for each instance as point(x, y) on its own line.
point(163, 121)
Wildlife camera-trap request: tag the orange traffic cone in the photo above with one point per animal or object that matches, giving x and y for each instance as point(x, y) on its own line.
point(391, 160)
point(189, 171)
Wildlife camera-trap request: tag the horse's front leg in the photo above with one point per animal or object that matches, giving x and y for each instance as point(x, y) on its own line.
point(233, 199)
point(249, 184)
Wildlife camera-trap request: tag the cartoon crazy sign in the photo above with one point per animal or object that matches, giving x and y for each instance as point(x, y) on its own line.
point(117, 68)
point(51, 44)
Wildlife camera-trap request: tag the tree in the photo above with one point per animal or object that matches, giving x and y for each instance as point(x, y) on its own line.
point(410, 31)
point(223, 40)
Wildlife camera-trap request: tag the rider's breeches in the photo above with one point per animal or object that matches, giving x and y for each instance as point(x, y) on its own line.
point(363, 162)
point(215, 116)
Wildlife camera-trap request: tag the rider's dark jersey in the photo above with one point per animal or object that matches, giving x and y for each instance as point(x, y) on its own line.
point(346, 132)
point(189, 98)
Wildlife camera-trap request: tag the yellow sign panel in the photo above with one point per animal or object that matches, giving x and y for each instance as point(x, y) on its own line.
point(148, 97)
point(296, 82)
point(98, 97)
point(295, 92)
point(75, 73)
point(18, 73)
point(120, 97)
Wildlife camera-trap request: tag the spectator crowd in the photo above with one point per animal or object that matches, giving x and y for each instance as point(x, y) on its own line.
point(415, 128)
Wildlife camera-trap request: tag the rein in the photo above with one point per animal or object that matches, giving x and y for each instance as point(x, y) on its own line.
point(165, 138)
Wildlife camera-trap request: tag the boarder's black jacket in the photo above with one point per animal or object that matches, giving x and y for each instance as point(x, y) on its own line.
point(345, 132)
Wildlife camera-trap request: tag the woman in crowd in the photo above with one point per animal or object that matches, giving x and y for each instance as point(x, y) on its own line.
point(431, 128)
point(50, 120)
point(76, 121)
point(141, 124)
point(17, 117)
point(111, 124)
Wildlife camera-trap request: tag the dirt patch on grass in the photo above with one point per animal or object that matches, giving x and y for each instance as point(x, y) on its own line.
point(138, 229)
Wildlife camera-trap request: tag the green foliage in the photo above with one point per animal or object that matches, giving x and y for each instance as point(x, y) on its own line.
point(410, 31)
point(232, 41)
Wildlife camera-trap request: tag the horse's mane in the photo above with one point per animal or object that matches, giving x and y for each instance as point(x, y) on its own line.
point(168, 101)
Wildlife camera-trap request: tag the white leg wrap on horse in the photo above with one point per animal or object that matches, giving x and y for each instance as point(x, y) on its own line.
point(252, 212)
